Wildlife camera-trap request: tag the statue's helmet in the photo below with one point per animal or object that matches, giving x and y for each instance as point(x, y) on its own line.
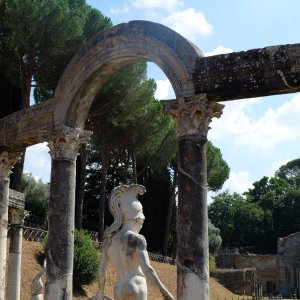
point(124, 205)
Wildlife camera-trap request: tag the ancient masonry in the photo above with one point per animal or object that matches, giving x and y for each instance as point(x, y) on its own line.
point(198, 83)
point(269, 274)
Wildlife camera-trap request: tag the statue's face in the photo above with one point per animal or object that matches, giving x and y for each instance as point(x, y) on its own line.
point(131, 208)
point(140, 221)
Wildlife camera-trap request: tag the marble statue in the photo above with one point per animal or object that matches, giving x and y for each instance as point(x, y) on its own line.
point(126, 249)
point(37, 285)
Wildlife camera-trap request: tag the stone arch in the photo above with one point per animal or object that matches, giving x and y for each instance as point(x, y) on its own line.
point(110, 50)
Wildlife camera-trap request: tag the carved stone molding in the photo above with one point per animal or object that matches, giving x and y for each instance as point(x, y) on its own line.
point(7, 162)
point(192, 115)
point(16, 216)
point(64, 141)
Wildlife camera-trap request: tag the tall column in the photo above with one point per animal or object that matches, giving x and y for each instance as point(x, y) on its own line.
point(16, 218)
point(7, 161)
point(192, 117)
point(63, 144)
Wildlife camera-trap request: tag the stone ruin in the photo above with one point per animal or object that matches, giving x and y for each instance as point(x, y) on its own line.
point(263, 274)
point(198, 81)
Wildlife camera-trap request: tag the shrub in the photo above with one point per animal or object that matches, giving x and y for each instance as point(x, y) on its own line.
point(86, 258)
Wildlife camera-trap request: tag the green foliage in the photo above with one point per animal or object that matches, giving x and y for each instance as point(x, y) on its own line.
point(215, 239)
point(217, 168)
point(38, 39)
point(290, 172)
point(86, 259)
point(237, 219)
point(269, 210)
point(36, 195)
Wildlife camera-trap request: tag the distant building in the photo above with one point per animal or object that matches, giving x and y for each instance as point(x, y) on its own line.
point(252, 274)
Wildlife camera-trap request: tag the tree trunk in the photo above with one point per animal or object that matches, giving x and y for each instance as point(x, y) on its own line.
point(80, 184)
point(169, 212)
point(17, 173)
point(104, 163)
point(102, 202)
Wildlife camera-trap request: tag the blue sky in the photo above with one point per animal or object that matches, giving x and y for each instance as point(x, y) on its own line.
point(255, 136)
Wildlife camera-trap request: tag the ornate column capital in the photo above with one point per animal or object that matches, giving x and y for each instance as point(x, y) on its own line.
point(64, 141)
point(15, 216)
point(7, 162)
point(192, 115)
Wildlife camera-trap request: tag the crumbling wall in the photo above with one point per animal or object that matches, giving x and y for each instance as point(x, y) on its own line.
point(266, 267)
point(238, 281)
point(288, 249)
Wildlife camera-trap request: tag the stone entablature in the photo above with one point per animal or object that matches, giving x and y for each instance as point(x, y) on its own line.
point(22, 128)
point(16, 200)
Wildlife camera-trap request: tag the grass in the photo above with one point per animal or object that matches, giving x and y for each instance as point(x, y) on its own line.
point(167, 274)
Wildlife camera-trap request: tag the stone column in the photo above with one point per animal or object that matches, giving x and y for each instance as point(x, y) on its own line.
point(7, 161)
point(16, 218)
point(192, 117)
point(63, 144)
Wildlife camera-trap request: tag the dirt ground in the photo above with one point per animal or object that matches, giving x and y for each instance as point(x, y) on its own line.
point(167, 274)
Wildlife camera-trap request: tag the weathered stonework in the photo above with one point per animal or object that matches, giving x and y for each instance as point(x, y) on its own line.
point(64, 141)
point(277, 274)
point(7, 161)
point(21, 129)
point(253, 73)
point(259, 72)
point(16, 218)
point(192, 115)
point(233, 271)
point(288, 249)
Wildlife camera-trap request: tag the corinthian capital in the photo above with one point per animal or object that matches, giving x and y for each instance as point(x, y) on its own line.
point(7, 162)
point(64, 141)
point(192, 115)
point(16, 216)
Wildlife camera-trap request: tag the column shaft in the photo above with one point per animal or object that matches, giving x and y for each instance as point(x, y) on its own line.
point(61, 231)
point(4, 194)
point(7, 161)
point(192, 255)
point(14, 262)
point(63, 143)
point(192, 117)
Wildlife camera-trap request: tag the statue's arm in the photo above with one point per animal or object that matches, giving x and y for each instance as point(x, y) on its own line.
point(102, 271)
point(148, 269)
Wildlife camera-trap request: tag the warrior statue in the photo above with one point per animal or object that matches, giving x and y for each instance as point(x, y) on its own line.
point(126, 249)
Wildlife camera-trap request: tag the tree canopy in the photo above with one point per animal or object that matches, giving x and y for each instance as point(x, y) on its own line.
point(269, 210)
point(38, 38)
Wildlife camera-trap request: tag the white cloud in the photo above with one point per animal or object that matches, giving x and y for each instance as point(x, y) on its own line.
point(157, 4)
point(189, 23)
point(238, 182)
point(219, 50)
point(38, 162)
point(120, 10)
point(164, 90)
point(275, 166)
point(264, 133)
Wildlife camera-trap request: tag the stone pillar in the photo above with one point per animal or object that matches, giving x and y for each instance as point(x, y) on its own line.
point(7, 161)
point(16, 218)
point(63, 144)
point(192, 117)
